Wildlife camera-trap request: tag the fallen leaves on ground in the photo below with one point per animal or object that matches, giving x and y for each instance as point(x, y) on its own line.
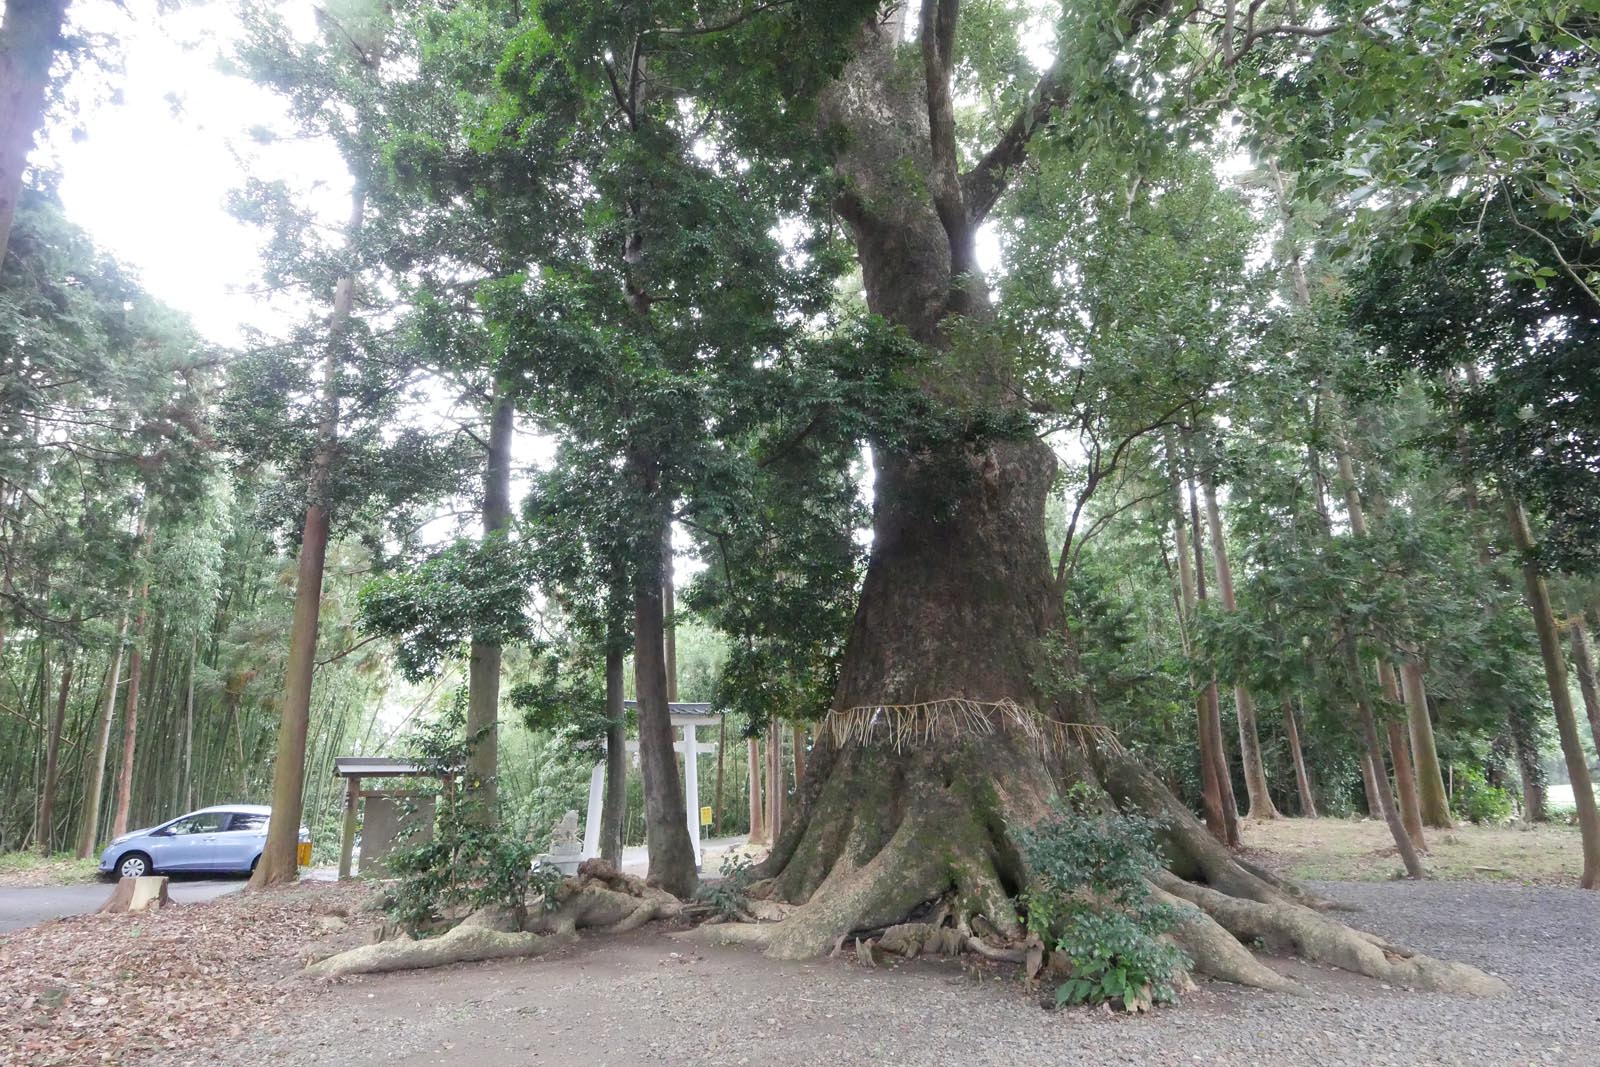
point(21, 870)
point(124, 989)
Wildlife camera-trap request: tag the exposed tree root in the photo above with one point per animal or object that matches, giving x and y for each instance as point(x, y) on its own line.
point(599, 900)
point(1217, 953)
point(912, 853)
point(1317, 938)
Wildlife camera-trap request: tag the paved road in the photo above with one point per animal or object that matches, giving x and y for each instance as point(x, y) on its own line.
point(26, 906)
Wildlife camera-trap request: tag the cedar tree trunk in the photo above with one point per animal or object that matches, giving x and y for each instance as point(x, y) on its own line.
point(483, 664)
point(278, 861)
point(1555, 672)
point(1255, 771)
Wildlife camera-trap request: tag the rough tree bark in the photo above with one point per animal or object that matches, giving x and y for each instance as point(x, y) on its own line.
point(1255, 771)
point(1212, 704)
point(278, 861)
point(30, 37)
point(758, 814)
point(483, 664)
point(671, 852)
point(1430, 777)
point(1555, 672)
point(1405, 778)
point(938, 742)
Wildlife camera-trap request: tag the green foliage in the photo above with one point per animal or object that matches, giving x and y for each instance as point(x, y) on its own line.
point(1090, 903)
point(469, 860)
point(728, 895)
point(1475, 800)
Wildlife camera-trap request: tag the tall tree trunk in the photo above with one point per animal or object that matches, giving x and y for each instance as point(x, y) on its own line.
point(1213, 707)
point(1405, 779)
point(94, 778)
point(758, 814)
point(1370, 778)
point(1430, 777)
point(1555, 672)
point(614, 806)
point(1386, 804)
point(1302, 781)
point(30, 37)
point(1583, 663)
point(45, 834)
point(1255, 771)
point(483, 665)
point(775, 778)
point(1210, 778)
point(672, 865)
point(130, 711)
point(669, 602)
point(799, 737)
point(188, 727)
point(279, 859)
point(722, 763)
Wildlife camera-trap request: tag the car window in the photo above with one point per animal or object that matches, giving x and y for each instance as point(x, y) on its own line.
point(207, 822)
point(248, 822)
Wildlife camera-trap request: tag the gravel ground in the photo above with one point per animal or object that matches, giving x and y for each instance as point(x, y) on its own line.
point(649, 999)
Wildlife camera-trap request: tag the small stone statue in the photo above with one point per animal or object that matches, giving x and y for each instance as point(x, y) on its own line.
point(565, 835)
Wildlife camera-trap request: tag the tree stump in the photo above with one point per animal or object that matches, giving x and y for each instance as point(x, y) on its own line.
point(137, 894)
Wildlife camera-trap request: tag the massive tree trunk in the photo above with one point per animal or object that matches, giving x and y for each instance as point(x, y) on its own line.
point(30, 37)
point(483, 664)
point(939, 742)
point(1255, 771)
point(279, 859)
point(671, 852)
point(1555, 671)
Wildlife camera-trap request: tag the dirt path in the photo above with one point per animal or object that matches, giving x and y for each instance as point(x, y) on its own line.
point(648, 999)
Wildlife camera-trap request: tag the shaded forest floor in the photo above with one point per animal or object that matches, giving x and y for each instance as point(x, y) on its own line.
point(1361, 850)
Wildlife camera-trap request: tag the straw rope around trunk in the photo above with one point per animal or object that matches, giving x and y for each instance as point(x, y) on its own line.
point(902, 725)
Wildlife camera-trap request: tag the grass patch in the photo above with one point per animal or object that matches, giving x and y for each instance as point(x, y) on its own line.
point(1362, 851)
point(30, 868)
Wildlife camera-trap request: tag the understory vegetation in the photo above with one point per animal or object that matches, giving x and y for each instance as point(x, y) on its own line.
point(1029, 446)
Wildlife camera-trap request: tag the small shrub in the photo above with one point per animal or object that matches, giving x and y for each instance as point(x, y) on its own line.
point(1475, 800)
point(470, 861)
point(728, 896)
point(1090, 904)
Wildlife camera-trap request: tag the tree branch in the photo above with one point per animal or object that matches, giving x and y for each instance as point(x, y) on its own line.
point(937, 31)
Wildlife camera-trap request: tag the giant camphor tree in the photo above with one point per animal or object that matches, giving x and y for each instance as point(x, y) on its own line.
point(938, 741)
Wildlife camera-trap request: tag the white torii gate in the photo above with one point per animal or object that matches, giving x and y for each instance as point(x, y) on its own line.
point(688, 717)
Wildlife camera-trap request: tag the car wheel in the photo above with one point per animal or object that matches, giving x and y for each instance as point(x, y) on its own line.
point(133, 865)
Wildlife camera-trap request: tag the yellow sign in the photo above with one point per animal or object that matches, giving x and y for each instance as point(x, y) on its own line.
point(303, 854)
point(705, 816)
